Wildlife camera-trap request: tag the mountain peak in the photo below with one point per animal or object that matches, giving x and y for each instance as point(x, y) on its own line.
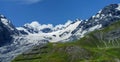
point(6, 22)
point(72, 30)
point(113, 9)
point(7, 30)
point(2, 16)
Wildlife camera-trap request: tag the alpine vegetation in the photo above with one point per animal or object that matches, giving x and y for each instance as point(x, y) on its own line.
point(94, 40)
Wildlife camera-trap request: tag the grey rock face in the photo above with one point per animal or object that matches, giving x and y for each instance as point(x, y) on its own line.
point(105, 17)
point(6, 31)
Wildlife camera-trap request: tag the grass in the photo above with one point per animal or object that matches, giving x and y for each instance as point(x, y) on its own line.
point(84, 50)
point(57, 53)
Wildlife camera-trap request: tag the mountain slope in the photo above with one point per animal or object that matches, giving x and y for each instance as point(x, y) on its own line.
point(32, 34)
point(104, 17)
point(6, 31)
point(98, 46)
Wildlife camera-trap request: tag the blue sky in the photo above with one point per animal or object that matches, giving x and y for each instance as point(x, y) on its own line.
point(50, 11)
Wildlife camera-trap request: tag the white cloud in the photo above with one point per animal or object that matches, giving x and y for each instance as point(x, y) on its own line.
point(38, 26)
point(23, 1)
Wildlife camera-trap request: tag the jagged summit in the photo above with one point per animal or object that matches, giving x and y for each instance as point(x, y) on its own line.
point(6, 31)
point(7, 23)
point(110, 10)
point(106, 16)
point(2, 16)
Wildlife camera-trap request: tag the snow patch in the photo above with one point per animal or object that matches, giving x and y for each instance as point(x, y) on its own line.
point(60, 26)
point(118, 8)
point(69, 29)
point(95, 27)
point(98, 15)
point(100, 11)
point(7, 23)
point(22, 29)
point(93, 16)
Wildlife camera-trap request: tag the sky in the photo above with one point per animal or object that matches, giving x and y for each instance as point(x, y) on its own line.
point(20, 12)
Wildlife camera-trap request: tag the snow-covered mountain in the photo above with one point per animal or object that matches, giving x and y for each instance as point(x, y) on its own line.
point(6, 30)
point(36, 27)
point(53, 34)
point(104, 17)
point(23, 38)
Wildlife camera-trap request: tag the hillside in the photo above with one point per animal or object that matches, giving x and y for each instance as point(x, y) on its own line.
point(98, 46)
point(76, 40)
